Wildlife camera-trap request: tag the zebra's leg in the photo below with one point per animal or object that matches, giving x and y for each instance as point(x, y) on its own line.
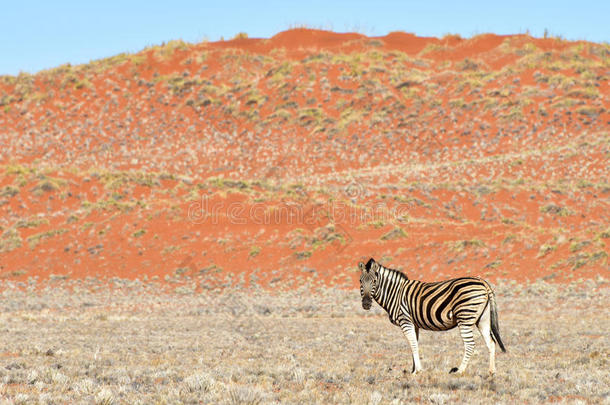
point(412, 333)
point(468, 338)
point(417, 340)
point(484, 326)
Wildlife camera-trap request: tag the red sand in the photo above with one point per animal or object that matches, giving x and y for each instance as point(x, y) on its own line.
point(490, 153)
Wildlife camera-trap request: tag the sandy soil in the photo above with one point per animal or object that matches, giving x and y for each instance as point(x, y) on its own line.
point(290, 158)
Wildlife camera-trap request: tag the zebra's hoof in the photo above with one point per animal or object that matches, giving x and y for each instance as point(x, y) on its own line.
point(453, 370)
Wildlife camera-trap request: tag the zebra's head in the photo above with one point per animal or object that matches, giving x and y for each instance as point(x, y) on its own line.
point(368, 282)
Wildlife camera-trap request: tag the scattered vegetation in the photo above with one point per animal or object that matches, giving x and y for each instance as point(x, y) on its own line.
point(303, 254)
point(35, 239)
point(546, 249)
point(460, 245)
point(495, 150)
point(186, 350)
point(47, 185)
point(9, 191)
point(556, 210)
point(10, 240)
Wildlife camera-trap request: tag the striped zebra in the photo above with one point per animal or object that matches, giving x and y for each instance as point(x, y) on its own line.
point(443, 305)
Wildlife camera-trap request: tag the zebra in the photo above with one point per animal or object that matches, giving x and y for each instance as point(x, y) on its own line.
point(463, 302)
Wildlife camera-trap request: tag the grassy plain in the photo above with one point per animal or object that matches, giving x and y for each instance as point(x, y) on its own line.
point(84, 342)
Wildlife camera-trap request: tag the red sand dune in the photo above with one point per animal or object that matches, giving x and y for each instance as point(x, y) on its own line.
point(284, 160)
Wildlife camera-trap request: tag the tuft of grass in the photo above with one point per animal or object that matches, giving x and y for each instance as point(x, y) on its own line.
point(166, 51)
point(138, 233)
point(31, 223)
point(494, 265)
point(581, 259)
point(47, 185)
point(9, 191)
point(545, 250)
point(181, 270)
point(588, 111)
point(240, 35)
point(432, 48)
point(460, 245)
point(395, 233)
point(199, 382)
point(303, 255)
point(35, 239)
point(10, 240)
point(377, 223)
point(576, 246)
point(254, 251)
point(222, 183)
point(105, 397)
point(556, 210)
point(116, 180)
point(245, 395)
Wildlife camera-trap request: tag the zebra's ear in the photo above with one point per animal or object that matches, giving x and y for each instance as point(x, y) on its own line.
point(361, 266)
point(375, 267)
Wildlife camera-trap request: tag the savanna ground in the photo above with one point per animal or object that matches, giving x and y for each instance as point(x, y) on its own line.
point(130, 342)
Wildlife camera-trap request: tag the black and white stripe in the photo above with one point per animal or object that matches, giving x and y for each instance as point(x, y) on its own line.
point(463, 302)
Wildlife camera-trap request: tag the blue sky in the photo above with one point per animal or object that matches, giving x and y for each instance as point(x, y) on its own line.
point(37, 35)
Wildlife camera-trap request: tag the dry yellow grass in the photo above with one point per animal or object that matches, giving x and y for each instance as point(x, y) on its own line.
point(85, 343)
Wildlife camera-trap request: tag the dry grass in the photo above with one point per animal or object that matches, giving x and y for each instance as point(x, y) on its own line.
point(137, 344)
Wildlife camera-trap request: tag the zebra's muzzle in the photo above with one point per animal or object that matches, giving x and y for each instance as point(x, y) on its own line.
point(366, 304)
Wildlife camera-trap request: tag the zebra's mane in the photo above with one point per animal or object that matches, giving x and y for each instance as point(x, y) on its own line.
point(400, 273)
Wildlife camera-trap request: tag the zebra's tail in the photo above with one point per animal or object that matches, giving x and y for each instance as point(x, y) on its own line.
point(495, 329)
